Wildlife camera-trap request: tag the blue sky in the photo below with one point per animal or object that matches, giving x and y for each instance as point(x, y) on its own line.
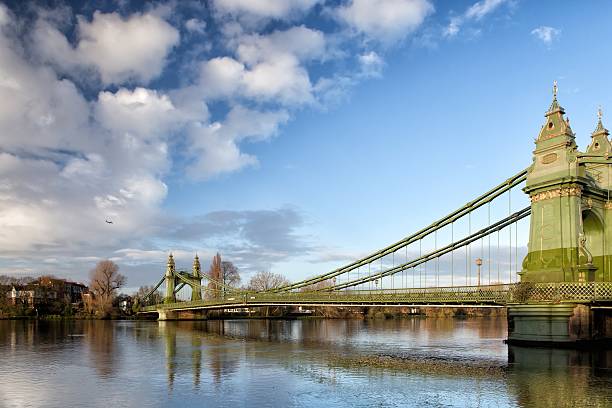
point(291, 136)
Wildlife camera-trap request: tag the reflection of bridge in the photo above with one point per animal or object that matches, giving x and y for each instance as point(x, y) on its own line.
point(565, 276)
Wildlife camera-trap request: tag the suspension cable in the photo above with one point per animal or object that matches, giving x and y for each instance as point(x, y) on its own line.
point(459, 213)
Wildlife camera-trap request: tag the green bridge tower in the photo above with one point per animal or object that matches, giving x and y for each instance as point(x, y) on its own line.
point(569, 237)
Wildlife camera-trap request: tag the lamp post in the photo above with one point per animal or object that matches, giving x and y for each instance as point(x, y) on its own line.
point(478, 264)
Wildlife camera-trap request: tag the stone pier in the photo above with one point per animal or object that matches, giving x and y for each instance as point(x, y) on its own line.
point(558, 324)
point(164, 314)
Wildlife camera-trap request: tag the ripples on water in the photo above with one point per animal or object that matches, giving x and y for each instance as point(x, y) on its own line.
point(299, 363)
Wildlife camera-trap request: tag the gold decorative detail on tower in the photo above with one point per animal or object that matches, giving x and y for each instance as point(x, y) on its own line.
point(558, 192)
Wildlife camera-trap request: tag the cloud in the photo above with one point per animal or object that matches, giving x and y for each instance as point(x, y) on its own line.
point(143, 112)
point(4, 15)
point(371, 64)
point(475, 12)
point(266, 68)
point(252, 239)
point(119, 49)
point(215, 146)
point(254, 11)
point(546, 34)
point(385, 20)
point(301, 42)
point(221, 77)
point(282, 79)
point(62, 172)
point(195, 25)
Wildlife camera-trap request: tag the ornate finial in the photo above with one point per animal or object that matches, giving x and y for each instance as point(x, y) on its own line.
point(599, 129)
point(599, 113)
point(554, 106)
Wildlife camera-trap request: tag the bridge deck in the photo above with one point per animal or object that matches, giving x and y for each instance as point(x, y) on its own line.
point(491, 295)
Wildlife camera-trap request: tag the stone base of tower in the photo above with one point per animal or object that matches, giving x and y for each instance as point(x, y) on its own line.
point(566, 324)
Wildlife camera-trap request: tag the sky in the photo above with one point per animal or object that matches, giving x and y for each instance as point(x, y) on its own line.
point(291, 136)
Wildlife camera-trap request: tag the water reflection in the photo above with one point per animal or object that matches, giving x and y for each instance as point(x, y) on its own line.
point(100, 339)
point(547, 377)
point(288, 363)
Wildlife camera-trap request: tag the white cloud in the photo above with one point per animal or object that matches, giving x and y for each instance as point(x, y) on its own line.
point(215, 152)
point(215, 146)
point(475, 12)
point(255, 10)
point(301, 42)
point(268, 68)
point(142, 112)
point(221, 77)
point(371, 64)
point(195, 25)
point(546, 34)
point(62, 174)
point(282, 79)
point(133, 48)
point(385, 20)
point(480, 9)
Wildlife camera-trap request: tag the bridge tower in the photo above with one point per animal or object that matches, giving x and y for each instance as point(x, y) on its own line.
point(570, 243)
point(196, 273)
point(170, 280)
point(570, 206)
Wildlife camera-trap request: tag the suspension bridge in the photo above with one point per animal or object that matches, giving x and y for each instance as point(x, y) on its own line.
point(557, 288)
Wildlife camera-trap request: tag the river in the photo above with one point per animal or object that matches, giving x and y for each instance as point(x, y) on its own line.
point(414, 362)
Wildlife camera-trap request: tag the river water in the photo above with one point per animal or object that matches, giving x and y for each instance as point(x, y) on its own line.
point(291, 363)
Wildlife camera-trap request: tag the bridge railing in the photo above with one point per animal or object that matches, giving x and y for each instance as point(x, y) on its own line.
point(562, 292)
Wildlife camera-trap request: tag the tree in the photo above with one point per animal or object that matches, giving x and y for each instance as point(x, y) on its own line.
point(230, 274)
point(105, 280)
point(221, 274)
point(153, 299)
point(263, 280)
point(318, 286)
point(214, 276)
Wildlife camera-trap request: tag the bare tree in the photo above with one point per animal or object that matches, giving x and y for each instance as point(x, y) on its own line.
point(266, 280)
point(318, 286)
point(230, 274)
point(11, 280)
point(153, 299)
point(105, 280)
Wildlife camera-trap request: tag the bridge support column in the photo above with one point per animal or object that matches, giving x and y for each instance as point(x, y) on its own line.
point(164, 314)
point(564, 323)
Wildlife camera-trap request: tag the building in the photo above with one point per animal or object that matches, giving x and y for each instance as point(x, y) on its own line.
point(47, 289)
